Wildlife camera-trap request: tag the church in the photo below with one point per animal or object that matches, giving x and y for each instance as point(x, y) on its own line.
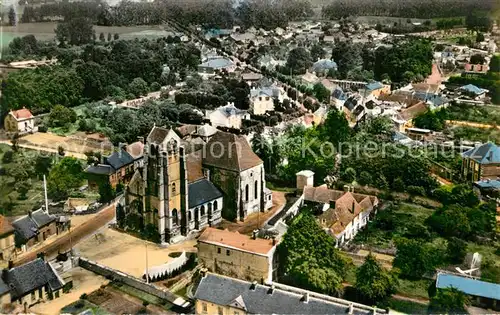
point(184, 187)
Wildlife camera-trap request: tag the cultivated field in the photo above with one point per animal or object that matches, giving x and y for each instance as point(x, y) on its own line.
point(126, 253)
point(45, 31)
point(84, 281)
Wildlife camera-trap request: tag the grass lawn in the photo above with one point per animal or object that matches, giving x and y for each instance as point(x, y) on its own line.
point(407, 307)
point(81, 306)
point(274, 187)
point(404, 214)
point(416, 288)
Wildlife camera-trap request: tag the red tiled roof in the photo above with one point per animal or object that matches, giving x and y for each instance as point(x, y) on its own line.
point(413, 111)
point(23, 113)
point(226, 238)
point(5, 226)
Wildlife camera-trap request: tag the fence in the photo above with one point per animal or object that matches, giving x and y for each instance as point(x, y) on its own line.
point(162, 270)
point(133, 282)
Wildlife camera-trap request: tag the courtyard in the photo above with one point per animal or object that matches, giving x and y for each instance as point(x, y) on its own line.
point(127, 253)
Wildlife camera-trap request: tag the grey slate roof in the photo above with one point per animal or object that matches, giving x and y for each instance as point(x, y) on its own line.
point(41, 218)
point(31, 276)
point(4, 288)
point(27, 227)
point(100, 169)
point(202, 191)
point(237, 293)
point(119, 159)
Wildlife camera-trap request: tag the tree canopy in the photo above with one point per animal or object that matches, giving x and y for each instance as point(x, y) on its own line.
point(373, 281)
point(309, 259)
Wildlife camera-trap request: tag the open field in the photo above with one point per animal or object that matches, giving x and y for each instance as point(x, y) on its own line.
point(45, 31)
point(126, 253)
point(84, 281)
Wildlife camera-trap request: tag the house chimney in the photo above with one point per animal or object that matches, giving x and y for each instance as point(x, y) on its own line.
point(491, 156)
point(30, 213)
point(253, 286)
point(274, 240)
point(141, 139)
point(11, 264)
point(254, 234)
point(351, 308)
point(374, 310)
point(353, 207)
point(203, 272)
point(271, 289)
point(305, 298)
point(206, 173)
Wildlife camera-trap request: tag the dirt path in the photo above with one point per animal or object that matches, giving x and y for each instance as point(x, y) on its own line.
point(79, 233)
point(46, 149)
point(441, 180)
point(256, 220)
point(471, 124)
point(435, 76)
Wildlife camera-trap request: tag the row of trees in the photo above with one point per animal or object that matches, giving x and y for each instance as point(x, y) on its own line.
point(211, 13)
point(421, 9)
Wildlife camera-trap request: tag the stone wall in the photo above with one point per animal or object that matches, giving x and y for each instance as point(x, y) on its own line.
point(134, 282)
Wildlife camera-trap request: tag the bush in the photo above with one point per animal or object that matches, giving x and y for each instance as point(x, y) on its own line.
point(456, 250)
point(83, 296)
point(8, 157)
point(42, 128)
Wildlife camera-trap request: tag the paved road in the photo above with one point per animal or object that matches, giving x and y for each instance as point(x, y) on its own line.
point(79, 233)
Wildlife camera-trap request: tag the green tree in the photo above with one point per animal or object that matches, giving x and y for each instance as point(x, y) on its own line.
point(299, 60)
point(138, 87)
point(22, 189)
point(8, 157)
point(365, 178)
point(43, 165)
point(120, 215)
point(61, 116)
point(75, 31)
point(456, 250)
point(414, 258)
point(101, 37)
point(479, 37)
point(495, 63)
point(106, 192)
point(317, 52)
point(449, 301)
point(374, 282)
point(477, 59)
point(64, 177)
point(110, 37)
point(336, 128)
point(12, 16)
point(450, 221)
point(349, 175)
point(321, 92)
point(309, 259)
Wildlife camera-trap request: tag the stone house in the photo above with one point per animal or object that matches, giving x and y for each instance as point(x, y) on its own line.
point(261, 100)
point(7, 241)
point(33, 282)
point(116, 168)
point(481, 162)
point(228, 116)
point(34, 228)
point(239, 173)
point(341, 214)
point(21, 121)
point(237, 255)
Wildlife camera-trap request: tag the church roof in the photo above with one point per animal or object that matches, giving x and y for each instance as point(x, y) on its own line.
point(202, 191)
point(231, 152)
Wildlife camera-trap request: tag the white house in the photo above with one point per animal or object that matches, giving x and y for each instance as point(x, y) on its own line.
point(261, 100)
point(21, 121)
point(227, 116)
